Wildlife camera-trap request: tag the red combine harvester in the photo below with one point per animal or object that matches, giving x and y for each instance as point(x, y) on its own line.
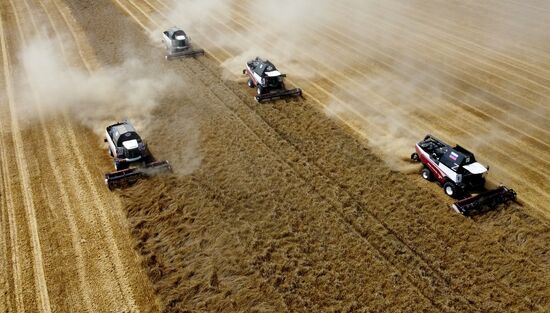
point(457, 170)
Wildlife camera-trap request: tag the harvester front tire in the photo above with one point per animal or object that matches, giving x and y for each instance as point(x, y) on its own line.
point(250, 83)
point(427, 174)
point(415, 157)
point(451, 189)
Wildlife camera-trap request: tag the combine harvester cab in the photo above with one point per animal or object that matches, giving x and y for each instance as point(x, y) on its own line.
point(131, 157)
point(458, 172)
point(268, 81)
point(178, 44)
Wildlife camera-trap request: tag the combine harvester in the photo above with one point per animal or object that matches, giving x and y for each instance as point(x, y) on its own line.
point(178, 44)
point(268, 81)
point(131, 157)
point(457, 170)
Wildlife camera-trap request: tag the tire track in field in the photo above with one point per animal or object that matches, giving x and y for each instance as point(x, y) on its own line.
point(62, 190)
point(100, 193)
point(537, 74)
point(5, 287)
point(8, 184)
point(12, 229)
point(67, 135)
point(63, 194)
point(12, 276)
point(451, 50)
point(6, 229)
point(38, 267)
point(85, 210)
point(67, 204)
point(474, 9)
point(536, 20)
point(79, 38)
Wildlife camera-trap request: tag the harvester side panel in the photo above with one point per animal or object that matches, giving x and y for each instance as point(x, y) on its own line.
point(425, 159)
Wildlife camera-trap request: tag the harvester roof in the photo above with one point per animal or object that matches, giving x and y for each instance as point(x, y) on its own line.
point(123, 132)
point(266, 68)
point(176, 33)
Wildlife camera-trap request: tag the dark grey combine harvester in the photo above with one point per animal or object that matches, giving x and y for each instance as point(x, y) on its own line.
point(131, 156)
point(268, 81)
point(178, 44)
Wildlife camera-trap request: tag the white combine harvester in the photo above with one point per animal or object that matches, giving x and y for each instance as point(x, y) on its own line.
point(178, 44)
point(457, 170)
point(268, 81)
point(131, 156)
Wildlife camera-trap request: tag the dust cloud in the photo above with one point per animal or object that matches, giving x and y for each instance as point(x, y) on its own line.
point(130, 90)
point(394, 63)
point(289, 43)
point(133, 90)
point(283, 32)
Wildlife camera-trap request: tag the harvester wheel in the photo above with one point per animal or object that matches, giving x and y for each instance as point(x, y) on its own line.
point(415, 157)
point(427, 174)
point(451, 189)
point(250, 83)
point(260, 90)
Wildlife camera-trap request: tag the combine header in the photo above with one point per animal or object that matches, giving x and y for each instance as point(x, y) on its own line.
point(484, 201)
point(457, 170)
point(268, 81)
point(178, 44)
point(131, 156)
